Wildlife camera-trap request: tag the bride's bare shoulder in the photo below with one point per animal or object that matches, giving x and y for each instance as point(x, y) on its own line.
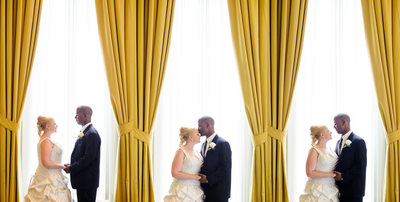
point(313, 151)
point(179, 151)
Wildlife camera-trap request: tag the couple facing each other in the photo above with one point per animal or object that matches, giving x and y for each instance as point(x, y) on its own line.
point(205, 176)
point(48, 183)
point(340, 175)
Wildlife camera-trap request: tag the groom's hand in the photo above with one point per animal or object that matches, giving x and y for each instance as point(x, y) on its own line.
point(338, 176)
point(66, 169)
point(203, 178)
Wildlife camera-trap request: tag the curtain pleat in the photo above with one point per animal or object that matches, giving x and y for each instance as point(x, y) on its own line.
point(382, 29)
point(268, 37)
point(19, 28)
point(135, 36)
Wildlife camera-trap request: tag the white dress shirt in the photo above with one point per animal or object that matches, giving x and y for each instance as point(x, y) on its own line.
point(85, 126)
point(209, 140)
point(344, 138)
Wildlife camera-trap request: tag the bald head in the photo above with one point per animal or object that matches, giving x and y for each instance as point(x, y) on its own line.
point(85, 110)
point(343, 117)
point(208, 120)
point(342, 123)
point(206, 126)
point(83, 115)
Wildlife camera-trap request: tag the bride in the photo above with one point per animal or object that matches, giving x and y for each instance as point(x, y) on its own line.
point(48, 183)
point(185, 169)
point(319, 168)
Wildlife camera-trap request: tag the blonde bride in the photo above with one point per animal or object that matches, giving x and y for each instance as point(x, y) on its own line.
point(321, 162)
point(185, 169)
point(48, 183)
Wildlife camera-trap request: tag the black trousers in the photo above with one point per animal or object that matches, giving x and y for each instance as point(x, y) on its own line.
point(215, 200)
point(86, 195)
point(350, 199)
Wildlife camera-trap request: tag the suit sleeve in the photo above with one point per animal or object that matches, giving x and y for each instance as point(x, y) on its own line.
point(92, 144)
point(359, 168)
point(224, 169)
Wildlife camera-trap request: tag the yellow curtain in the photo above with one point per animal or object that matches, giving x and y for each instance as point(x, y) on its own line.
point(135, 37)
point(19, 28)
point(382, 29)
point(268, 38)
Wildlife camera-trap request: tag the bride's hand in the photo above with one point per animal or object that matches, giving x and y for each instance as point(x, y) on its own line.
point(198, 177)
point(333, 174)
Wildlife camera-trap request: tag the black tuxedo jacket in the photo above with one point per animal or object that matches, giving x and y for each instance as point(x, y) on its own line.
point(85, 160)
point(352, 163)
point(217, 167)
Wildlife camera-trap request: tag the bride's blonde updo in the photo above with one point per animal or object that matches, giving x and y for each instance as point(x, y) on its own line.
point(42, 122)
point(315, 133)
point(185, 133)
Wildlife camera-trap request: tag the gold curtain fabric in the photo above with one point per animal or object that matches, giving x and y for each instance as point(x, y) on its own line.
point(135, 37)
point(382, 29)
point(268, 38)
point(19, 28)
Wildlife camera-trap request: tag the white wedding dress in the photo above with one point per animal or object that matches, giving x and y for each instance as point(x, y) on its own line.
point(322, 189)
point(48, 184)
point(186, 190)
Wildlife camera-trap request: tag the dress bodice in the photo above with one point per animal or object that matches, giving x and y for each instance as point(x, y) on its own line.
point(325, 163)
point(55, 156)
point(188, 190)
point(191, 163)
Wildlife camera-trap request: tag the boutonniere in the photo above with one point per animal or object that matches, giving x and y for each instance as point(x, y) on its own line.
point(347, 143)
point(211, 146)
point(81, 135)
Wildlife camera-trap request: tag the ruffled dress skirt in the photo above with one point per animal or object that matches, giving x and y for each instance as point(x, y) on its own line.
point(49, 187)
point(184, 191)
point(320, 190)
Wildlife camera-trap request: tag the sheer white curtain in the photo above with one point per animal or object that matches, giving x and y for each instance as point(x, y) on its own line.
point(335, 76)
point(202, 79)
point(68, 72)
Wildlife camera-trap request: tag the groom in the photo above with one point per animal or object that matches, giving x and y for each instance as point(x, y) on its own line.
point(352, 163)
point(85, 158)
point(216, 169)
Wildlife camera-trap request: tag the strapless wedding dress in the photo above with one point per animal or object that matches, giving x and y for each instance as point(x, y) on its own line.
point(187, 190)
point(322, 189)
point(48, 184)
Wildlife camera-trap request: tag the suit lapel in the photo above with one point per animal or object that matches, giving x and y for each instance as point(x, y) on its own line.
point(351, 137)
point(343, 149)
point(215, 139)
point(215, 142)
point(205, 147)
point(203, 150)
point(87, 129)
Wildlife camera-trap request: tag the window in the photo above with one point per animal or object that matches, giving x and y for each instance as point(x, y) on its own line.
point(202, 79)
point(335, 77)
point(68, 71)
